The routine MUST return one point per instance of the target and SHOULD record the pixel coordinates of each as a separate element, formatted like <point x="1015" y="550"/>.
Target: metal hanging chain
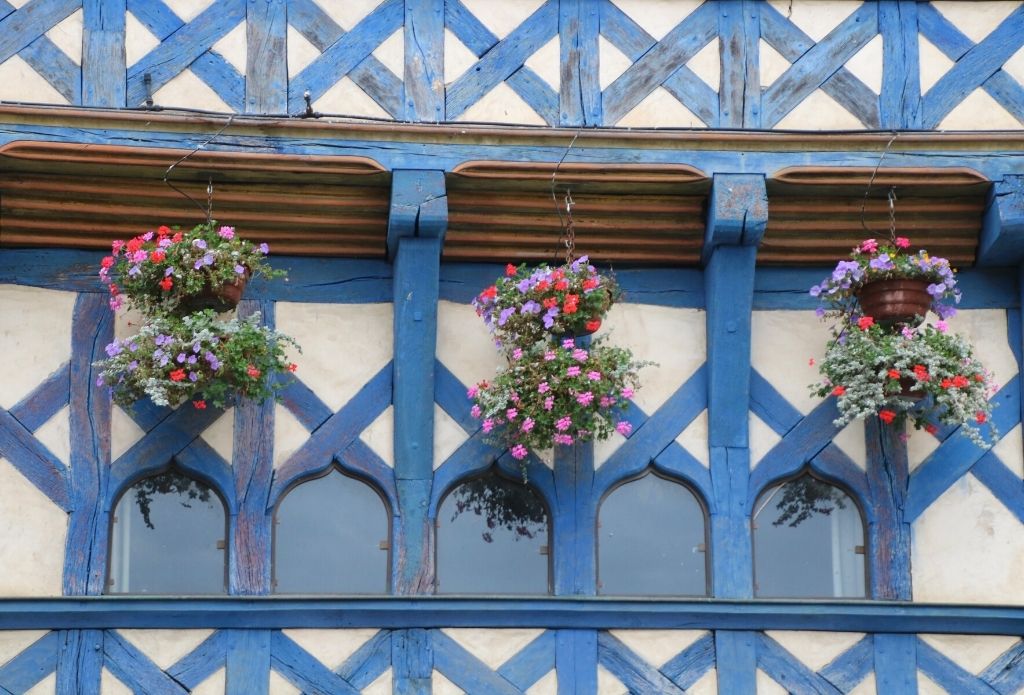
<point x="565" y="230"/>
<point x="208" y="210"/>
<point x="569" y="234"/>
<point x="209" y="200"/>
<point x="892" y="214"/>
<point x="871" y="181"/>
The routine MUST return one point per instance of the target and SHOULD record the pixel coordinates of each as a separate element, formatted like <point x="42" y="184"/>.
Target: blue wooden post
<point x="739" y="28"/>
<point x="266" y="70"/>
<point x="737" y="215"/>
<point x="253" y="468"/>
<point x="424" y="60"/>
<point x="249" y="571"/>
<point x="80" y="657"/>
<point x="416" y="225"/>
<point x="900" y="101"/>
<point x="575" y="563"/>
<point x="103" y="56"/>
<point x="579" y="89"/>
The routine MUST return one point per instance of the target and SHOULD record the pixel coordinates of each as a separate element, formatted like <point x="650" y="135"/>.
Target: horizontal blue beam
<point x="104" y="612"/>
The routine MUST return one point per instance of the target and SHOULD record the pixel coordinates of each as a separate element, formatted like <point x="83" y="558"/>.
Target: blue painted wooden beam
<point x="954" y="44"/>
<point x="578" y="612"/>
<point x="103" y="53"/>
<point x="900" y="100"/>
<point x="416" y="228"/>
<point x="629" y="37"/>
<point x="372" y="76"/>
<point x="33" y="664"/>
<point x="85" y="562"/>
<point x="737" y="215"/>
<point x="580" y="89"/>
<point x="79" y="661"/>
<point x="252" y="462"/>
<point x="792" y="43"/>
<point x="973" y="69"/>
<point x="412" y="661"/>
<point x="739" y="30"/>
<point x="266" y="72"/>
<point x="248" y="662"/>
<point x="1002" y="230"/>
<point x="659" y="63"/>
<point x="479" y="39"/>
<point x="419" y="207"/>
<point x="500" y="62"/>
<point x="889" y="534"/>
<point x="52" y="63"/>
<point x="576" y="661"/>
<point x="424" y="60"/>
<point x="179" y="50"/>
<point x="35" y="18"/>
<point x="896" y="663"/>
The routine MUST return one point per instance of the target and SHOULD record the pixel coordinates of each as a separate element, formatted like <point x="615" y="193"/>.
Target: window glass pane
<point x="650" y="540"/>
<point x="165" y="537"/>
<point x="327" y="538"/>
<point x="490" y="537"/>
<point x="806" y="536"/>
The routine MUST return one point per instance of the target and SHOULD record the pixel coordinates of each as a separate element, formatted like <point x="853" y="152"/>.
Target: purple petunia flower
<point x="264" y="249"/>
<point x="240" y="269"/>
<point x="505" y="314"/>
<point x="199" y="243"/>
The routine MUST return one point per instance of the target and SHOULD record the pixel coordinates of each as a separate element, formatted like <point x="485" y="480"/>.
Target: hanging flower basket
<point x="926" y="375"/>
<point x="531" y="303"/>
<point x="174" y="272"/>
<point x="557" y="393"/>
<point x="555" y="390"/>
<point x="890" y="285"/>
<point x="882" y="362"/>
<point x="197" y="358"/>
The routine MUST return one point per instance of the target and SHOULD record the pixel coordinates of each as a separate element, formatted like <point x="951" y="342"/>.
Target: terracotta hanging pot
<point x="220" y="298"/>
<point x="895" y="302"/>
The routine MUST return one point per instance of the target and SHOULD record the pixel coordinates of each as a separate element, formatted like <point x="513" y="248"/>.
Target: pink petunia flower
<point x="623" y="427"/>
<point x="518" y="452"/>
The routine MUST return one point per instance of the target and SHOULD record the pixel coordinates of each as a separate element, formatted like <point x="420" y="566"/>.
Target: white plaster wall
<point x="32" y="534"/>
<point x="35" y="337"/>
<point x="783" y="343"/>
<point x="493" y="648"/>
<point x="343" y="345"/>
<point x="968" y="548"/>
<point x="815" y="649"/>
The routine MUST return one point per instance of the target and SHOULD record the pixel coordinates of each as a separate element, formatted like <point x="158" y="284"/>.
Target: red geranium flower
<point x="166" y="284"/>
<point x="886" y="416"/>
<point x="980" y="417"/>
<point x="199" y="405"/>
<point x="592" y="325"/>
<point x="177" y="375"/>
<point x="252" y="371"/>
<point x="839" y="391"/>
<point x="931" y="428"/>
<point x="590" y="283"/>
<point x="177" y="237"/>
<point x="865" y="322"/>
<point x="157" y="256"/>
<point x="510" y="269"/>
<point x="894" y="374"/>
<point x="960" y="381"/>
<point x="550" y="302"/>
<point x="107" y="261"/>
<point x="292" y="367"/>
<point x="561" y="285"/>
<point x="163" y="230"/>
<point x="490" y="293"/>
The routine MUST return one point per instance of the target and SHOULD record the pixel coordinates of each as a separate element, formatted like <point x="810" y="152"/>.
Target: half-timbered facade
<point x="396" y="154"/>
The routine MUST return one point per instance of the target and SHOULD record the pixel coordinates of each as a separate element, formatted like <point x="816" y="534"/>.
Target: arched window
<point x="651" y="540"/>
<point x="808" y="542"/>
<point x="492" y="538"/>
<point x="168" y="537"/>
<point x="331" y="537"/>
